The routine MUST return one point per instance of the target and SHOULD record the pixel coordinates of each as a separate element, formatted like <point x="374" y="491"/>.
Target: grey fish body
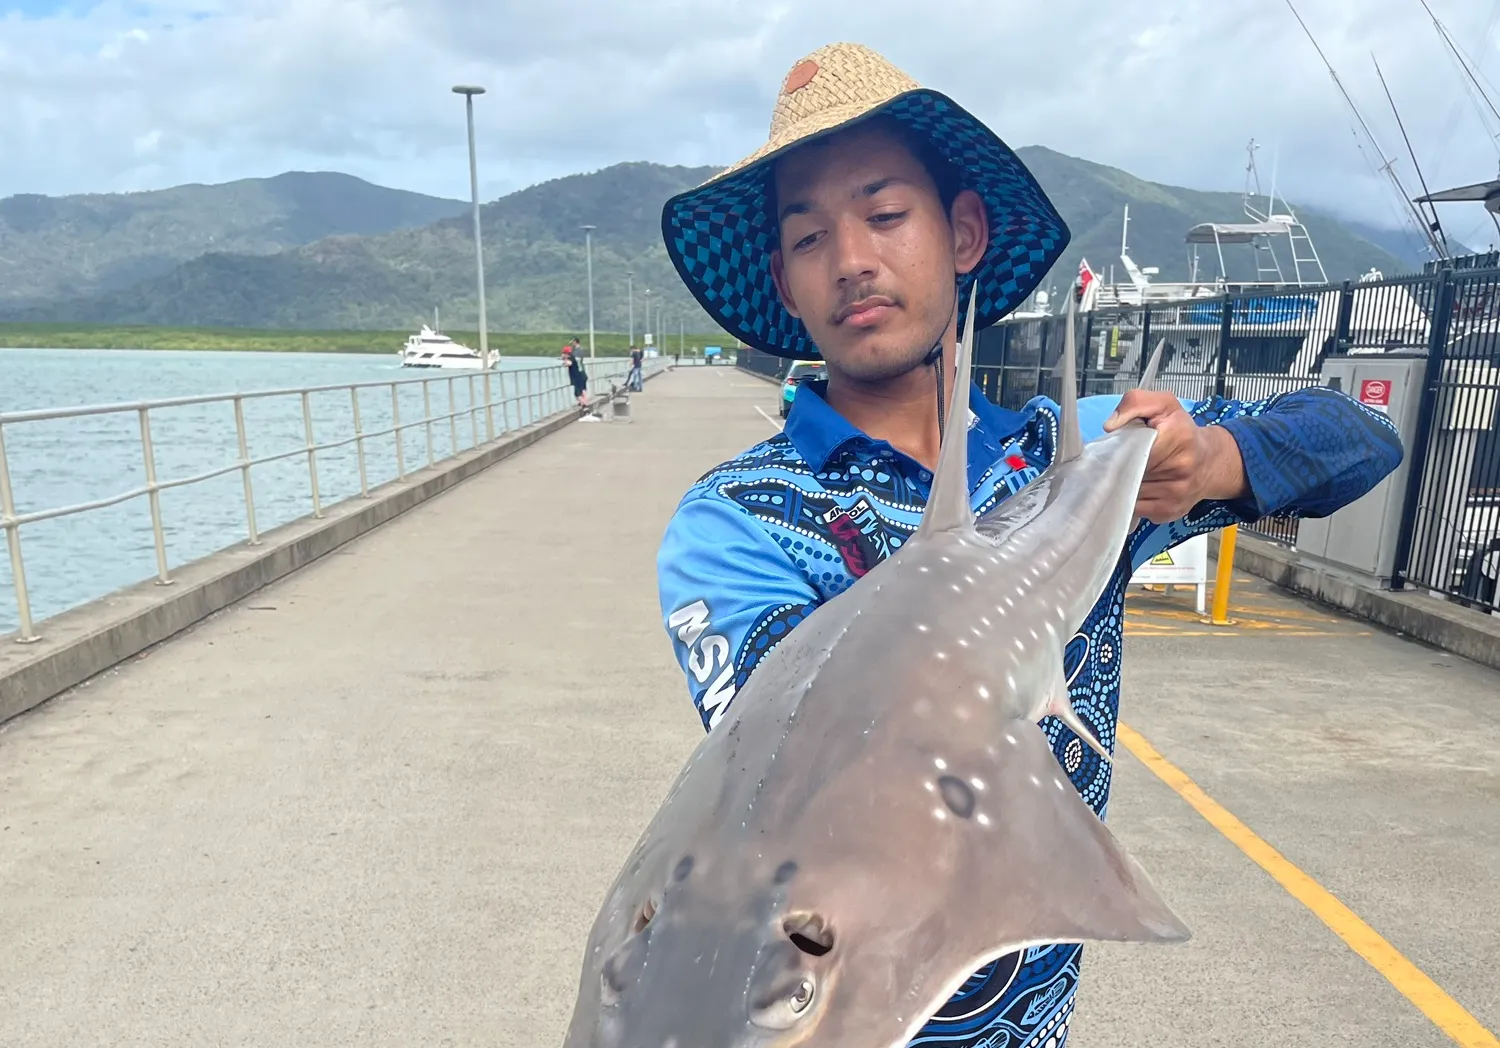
<point x="879" y="815"/>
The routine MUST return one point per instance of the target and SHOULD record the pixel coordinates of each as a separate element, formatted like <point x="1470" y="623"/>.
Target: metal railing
<point x="535" y="395"/>
<point x="761" y="363"/>
<point x="1257" y="345"/>
<point x="1450" y="528"/>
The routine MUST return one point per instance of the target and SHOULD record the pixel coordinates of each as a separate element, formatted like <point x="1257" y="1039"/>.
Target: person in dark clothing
<point x="635" y="381"/>
<point x="577" y="375"/>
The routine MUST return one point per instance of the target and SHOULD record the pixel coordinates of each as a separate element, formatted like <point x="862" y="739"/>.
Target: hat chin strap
<point x="934" y="357"/>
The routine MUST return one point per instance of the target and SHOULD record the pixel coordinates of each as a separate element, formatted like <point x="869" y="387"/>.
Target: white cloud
<point x="137" y="93"/>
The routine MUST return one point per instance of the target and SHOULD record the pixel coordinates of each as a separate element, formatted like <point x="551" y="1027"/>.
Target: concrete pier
<point x="377" y="802"/>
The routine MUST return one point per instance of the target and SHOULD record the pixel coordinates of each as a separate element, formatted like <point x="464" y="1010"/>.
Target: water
<point x="55" y="463"/>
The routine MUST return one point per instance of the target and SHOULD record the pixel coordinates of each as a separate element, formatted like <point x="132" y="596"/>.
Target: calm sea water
<point x="56" y="463"/>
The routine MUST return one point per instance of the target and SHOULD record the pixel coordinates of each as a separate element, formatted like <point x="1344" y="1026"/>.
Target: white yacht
<point x="431" y="349"/>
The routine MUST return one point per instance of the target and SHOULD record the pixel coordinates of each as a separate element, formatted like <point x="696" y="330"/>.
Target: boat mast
<point x="1440" y="238"/>
<point x="1387" y="166"/>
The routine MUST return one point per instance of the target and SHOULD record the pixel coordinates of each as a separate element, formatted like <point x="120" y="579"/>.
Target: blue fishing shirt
<point x="762" y="540"/>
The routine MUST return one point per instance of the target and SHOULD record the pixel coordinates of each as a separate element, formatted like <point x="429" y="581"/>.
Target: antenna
<point x="1436" y="225"/>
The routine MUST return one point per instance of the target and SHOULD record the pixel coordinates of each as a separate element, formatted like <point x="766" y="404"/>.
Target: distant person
<point x="577" y="374"/>
<point x="635" y="381"/>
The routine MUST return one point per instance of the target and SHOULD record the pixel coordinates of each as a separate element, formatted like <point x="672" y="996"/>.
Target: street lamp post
<point x="469" y="91"/>
<point x="647" y="316"/>
<point x="484" y="334"/>
<point x="588" y="236"/>
<point x="630" y="297"/>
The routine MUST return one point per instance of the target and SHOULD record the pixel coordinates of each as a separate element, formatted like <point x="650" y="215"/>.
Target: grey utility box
<point x="1361" y="537"/>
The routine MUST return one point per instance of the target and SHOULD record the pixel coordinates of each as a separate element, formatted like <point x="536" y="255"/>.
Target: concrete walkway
<point x="378" y="802"/>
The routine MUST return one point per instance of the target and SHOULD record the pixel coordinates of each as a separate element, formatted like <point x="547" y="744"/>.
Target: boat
<point x="430" y="348"/>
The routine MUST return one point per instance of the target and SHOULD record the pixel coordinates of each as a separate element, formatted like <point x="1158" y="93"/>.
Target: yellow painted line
<point x="1262" y="620"/>
<point x="1132" y="629"/>
<point x="1414" y="984"/>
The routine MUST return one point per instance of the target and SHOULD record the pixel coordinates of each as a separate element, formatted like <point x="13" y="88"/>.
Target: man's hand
<point x="1189" y="462"/>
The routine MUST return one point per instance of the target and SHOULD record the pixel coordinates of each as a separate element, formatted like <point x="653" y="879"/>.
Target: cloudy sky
<point x="141" y="94"/>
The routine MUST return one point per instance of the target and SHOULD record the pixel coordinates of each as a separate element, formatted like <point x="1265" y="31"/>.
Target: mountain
<point x="52" y="247"/>
<point x="535" y="269"/>
<point x="1092" y="198"/>
<point x="536" y="262"/>
<point x="1406" y="243"/>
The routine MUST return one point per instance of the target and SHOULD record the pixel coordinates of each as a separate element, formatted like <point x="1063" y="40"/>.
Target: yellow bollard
<point x="1224" y="576"/>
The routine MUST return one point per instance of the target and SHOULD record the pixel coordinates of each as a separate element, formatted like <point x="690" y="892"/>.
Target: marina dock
<point x="377" y="802"/>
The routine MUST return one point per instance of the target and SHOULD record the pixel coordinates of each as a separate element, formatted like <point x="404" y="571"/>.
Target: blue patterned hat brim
<point x="720" y="236"/>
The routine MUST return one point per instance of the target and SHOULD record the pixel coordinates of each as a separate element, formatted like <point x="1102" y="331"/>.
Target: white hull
<point x="428" y="349"/>
<point x="448" y="362"/>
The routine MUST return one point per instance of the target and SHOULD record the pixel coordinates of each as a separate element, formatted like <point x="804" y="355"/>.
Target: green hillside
<point x="536" y="265"/>
<point x="1092" y="198"/>
<point x="53" y="248"/>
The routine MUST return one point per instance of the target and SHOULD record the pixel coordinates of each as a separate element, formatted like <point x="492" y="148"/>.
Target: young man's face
<point x="868" y="256"/>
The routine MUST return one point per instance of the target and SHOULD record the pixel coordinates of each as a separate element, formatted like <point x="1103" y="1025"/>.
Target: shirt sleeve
<point x="1307" y="453"/>
<point x="728" y="593"/>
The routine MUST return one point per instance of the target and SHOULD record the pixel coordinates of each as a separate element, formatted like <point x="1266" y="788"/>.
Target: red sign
<point x="1375" y="392"/>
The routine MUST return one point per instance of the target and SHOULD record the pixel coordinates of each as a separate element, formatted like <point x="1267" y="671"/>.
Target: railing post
<point x="244" y="446"/>
<point x="396" y="432"/>
<point x="13" y="541"/>
<point x="1085" y="351"/>
<point x="1221" y="371"/>
<point x="453" y="413"/>
<point x="427" y="416"/>
<point x="359" y="443"/>
<point x="1145" y="354"/>
<point x="1432" y="377"/>
<point x="473" y="404"/>
<point x="312" y="462"/>
<point x="1341" y="340"/>
<point x="489" y="410"/>
<point x="154" y="496"/>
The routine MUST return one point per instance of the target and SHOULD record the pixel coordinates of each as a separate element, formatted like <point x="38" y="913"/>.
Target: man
<point x="851" y="233"/>
<point x="635" y="380"/>
<point x="577" y="374"/>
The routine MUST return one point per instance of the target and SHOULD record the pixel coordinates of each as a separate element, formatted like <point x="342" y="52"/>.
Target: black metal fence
<point x="1250" y="347"/>
<point x="761" y="363"/>
<point x="1450" y="530"/>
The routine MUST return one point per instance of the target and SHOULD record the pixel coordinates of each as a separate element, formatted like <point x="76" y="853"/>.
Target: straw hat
<point x="720" y="236"/>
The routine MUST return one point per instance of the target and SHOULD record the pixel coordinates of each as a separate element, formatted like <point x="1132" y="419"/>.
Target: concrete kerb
<point x="1448" y="627"/>
<point x="85" y="641"/>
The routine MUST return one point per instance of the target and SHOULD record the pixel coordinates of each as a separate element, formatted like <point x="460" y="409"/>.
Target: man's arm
<point x="728" y="593"/>
<point x="1219" y="462"/>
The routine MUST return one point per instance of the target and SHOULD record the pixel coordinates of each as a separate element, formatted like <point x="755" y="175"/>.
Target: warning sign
<point x="1185" y="564"/>
<point x="1375" y="393"/>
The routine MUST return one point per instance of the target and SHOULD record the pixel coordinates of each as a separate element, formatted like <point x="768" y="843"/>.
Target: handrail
<point x="44" y="414"/>
<point x="541" y="389"/>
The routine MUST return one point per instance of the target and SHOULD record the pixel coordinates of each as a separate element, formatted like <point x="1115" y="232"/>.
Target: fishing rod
<point x="1462" y="60"/>
<point x="1435" y="224"/>
<point x="1388" y="166"/>
<point x="1476" y="92"/>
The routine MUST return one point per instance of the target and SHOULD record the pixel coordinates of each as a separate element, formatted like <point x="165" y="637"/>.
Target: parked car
<point x="799" y="372"/>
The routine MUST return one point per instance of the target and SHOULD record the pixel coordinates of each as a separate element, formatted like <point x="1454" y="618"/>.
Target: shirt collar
<point x="817" y="430"/>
